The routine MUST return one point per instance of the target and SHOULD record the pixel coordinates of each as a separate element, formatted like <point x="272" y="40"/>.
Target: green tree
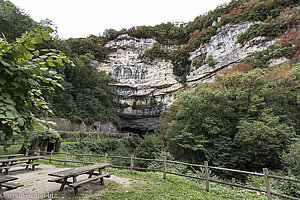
<point x="243" y="120"/>
<point x="88" y="96"/>
<point x="13" y="21"/>
<point x="291" y="159"/>
<point x="263" y="142"/>
<point x="24" y="73"/>
<point x="150" y="147"/>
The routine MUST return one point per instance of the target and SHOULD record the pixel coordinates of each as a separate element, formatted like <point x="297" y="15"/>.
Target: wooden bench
<point x="6" y="184"/>
<point x="11" y="186"/>
<point x="23" y="162"/>
<point x="62" y="177"/>
<point x="79" y="183"/>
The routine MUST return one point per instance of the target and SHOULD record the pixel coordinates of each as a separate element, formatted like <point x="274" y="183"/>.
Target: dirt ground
<point x="36" y="185"/>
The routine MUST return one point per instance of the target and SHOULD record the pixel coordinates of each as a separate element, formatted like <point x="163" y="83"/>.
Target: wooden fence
<point x="206" y="167"/>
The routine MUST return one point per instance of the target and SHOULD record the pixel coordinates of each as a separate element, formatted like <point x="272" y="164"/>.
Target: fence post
<point x="105" y="158"/>
<point x="51" y="154"/>
<point x="267" y="181"/>
<point x="26" y="153"/>
<point x="165" y="168"/>
<point x="66" y="158"/>
<point x="38" y="153"/>
<point x="206" y="176"/>
<point x="84" y="158"/>
<point x="131" y="164"/>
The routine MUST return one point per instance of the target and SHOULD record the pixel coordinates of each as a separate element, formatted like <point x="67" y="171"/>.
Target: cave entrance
<point x="133" y="130"/>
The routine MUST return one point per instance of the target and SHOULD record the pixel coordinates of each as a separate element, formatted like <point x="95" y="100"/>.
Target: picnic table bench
<point x="23" y="161"/>
<point x="5" y="181"/>
<point x="62" y="176"/>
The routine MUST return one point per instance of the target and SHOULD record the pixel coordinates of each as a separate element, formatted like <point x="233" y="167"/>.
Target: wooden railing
<point x="206" y="167"/>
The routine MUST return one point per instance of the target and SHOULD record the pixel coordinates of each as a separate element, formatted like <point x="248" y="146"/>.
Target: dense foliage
<point x="24" y="73"/>
<point x="13" y="21"/>
<point x="88" y="95"/>
<point x="91" y="44"/>
<point x="243" y="121"/>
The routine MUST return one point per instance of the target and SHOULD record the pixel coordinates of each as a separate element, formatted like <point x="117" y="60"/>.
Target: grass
<point x="151" y="186"/>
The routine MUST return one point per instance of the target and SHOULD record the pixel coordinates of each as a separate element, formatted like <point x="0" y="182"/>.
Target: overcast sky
<point x="80" y="18"/>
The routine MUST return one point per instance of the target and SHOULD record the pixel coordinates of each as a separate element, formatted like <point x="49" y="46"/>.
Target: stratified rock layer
<point x="148" y="87"/>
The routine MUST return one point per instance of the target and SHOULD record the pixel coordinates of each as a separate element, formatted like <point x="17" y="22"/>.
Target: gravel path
<point x="36" y="185"/>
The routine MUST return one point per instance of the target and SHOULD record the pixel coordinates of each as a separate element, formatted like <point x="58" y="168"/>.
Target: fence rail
<point x="206" y="167"/>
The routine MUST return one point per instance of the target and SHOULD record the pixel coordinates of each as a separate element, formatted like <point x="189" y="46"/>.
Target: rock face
<point x="148" y="87"/>
<point x="225" y="51"/>
<point x="66" y="125"/>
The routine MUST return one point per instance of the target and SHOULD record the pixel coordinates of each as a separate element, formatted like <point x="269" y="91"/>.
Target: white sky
<point x="77" y="18"/>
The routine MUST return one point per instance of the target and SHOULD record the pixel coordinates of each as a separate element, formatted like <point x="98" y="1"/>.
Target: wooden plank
<point x="7" y="178"/>
<point x="57" y="179"/>
<point x="165" y="168"/>
<point x="77" y="184"/>
<point x="284" y="178"/>
<point x="11" y="185"/>
<point x="79" y="170"/>
<point x="66" y="158"/>
<point x="148" y="159"/>
<point x="206" y="176"/>
<point x="267" y="182"/>
<point x="284" y="196"/>
<point x="184" y="175"/>
<point x="183" y="163"/>
<point x="131" y="164"/>
<point x="21" y="159"/>
<point x="238" y="171"/>
<point x="236" y="185"/>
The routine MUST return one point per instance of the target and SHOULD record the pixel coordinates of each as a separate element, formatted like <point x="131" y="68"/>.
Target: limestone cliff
<point x="148" y="87"/>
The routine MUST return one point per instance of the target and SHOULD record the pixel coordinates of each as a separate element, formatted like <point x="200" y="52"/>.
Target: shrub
<point x="291" y="159"/>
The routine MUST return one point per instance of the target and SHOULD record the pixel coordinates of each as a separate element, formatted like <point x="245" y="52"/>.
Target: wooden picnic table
<point x="11" y="156"/>
<point x="62" y="176"/>
<point x="5" y="181"/>
<point x="23" y="161"/>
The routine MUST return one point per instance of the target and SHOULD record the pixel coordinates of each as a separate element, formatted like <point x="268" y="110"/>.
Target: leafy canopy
<point x="242" y="121"/>
<point x="25" y="71"/>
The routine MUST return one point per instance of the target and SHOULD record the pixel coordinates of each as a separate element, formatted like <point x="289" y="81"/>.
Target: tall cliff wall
<point x="148" y="87"/>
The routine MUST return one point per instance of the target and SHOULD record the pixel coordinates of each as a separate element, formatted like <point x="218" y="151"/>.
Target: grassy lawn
<point x="151" y="186"/>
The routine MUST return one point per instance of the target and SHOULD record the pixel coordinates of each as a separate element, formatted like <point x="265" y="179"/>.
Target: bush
<point x="150" y="147"/>
<point x="291" y="159"/>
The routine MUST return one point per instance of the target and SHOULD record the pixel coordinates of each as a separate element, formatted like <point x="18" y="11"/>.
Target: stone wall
<point x="66" y="125"/>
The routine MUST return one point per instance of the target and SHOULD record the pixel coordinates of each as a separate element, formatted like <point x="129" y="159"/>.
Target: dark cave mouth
<point x="135" y="131"/>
